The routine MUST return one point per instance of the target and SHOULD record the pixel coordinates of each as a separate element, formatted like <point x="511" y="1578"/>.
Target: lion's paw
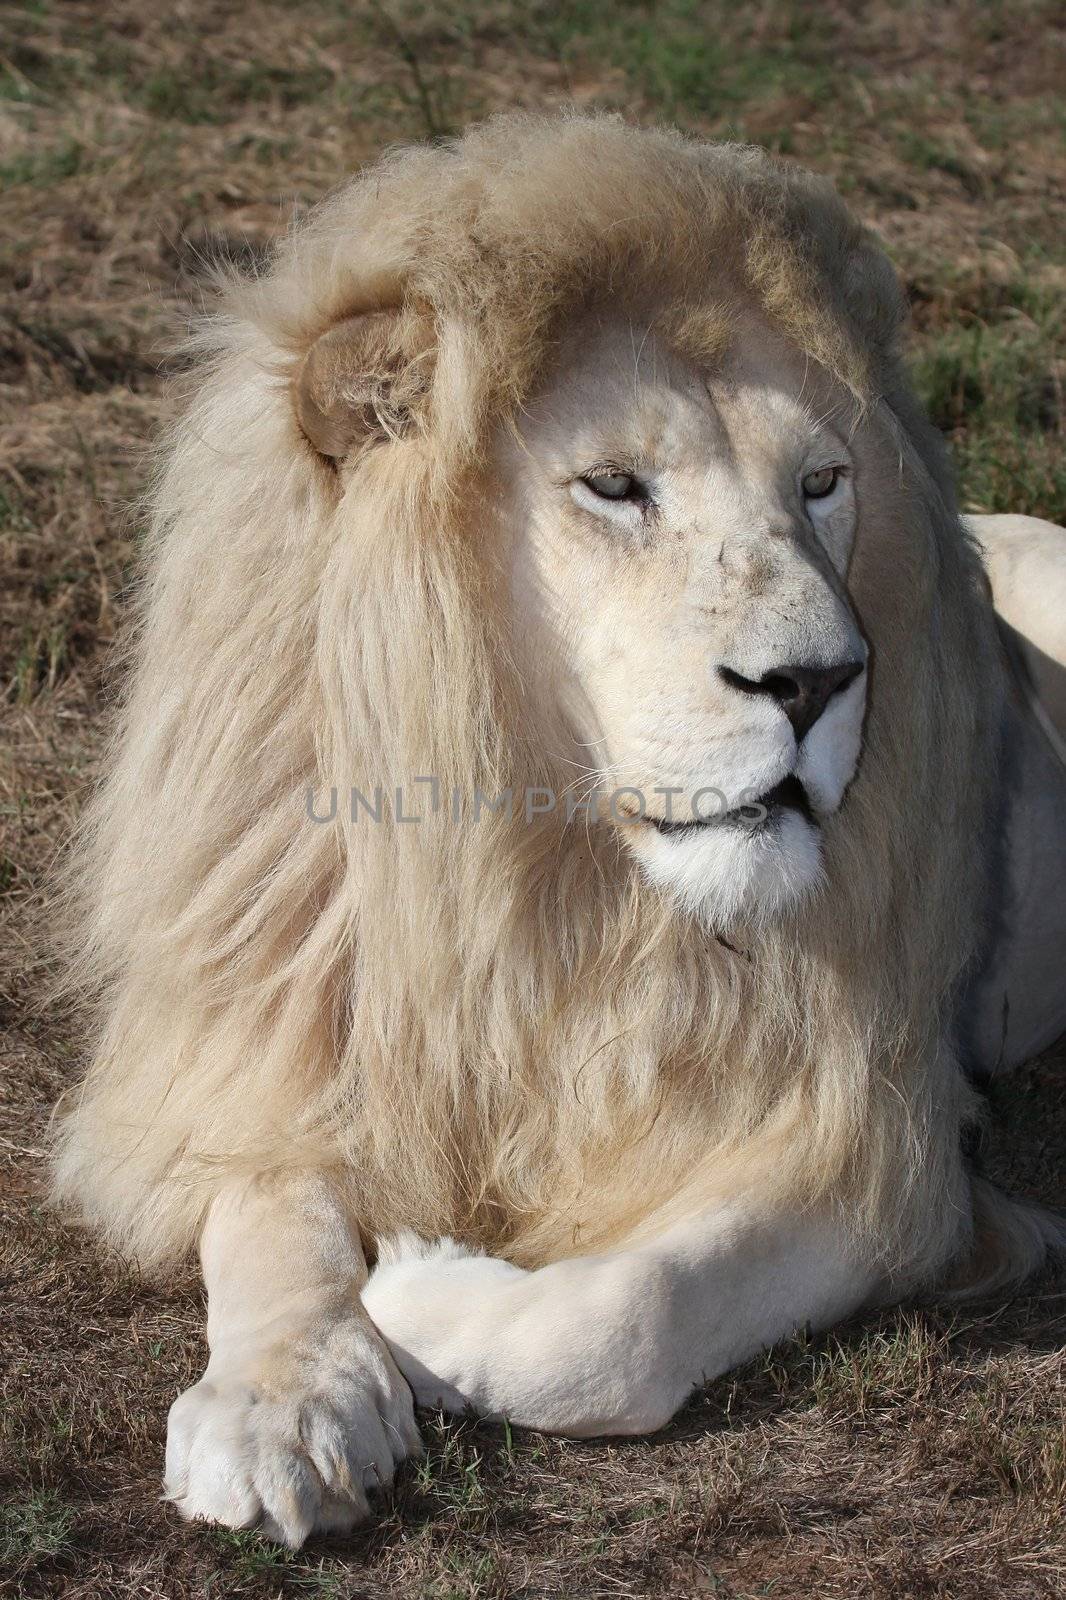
<point x="291" y="1439"/>
<point x="433" y="1301"/>
<point x="428" y="1279"/>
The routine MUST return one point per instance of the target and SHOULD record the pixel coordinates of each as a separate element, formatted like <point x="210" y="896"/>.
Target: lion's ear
<point x="361" y="380"/>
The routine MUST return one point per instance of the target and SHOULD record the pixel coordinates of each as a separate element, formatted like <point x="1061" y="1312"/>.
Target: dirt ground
<point x="916" y="1453"/>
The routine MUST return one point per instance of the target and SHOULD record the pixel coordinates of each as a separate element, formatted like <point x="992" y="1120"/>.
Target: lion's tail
<point x="1012" y="1240"/>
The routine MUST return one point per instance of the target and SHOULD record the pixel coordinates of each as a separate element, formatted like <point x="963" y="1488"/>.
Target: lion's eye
<point x="612" y="485"/>
<point x="817" y="485"/>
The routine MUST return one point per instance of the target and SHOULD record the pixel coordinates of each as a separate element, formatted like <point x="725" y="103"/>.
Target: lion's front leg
<point x="301" y="1409"/>
<point x="612" y="1343"/>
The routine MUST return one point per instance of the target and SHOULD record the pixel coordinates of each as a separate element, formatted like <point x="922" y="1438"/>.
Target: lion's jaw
<point x="661" y="630"/>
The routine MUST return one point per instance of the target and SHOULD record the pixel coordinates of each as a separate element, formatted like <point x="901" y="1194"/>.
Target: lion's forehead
<point x="622" y="392"/>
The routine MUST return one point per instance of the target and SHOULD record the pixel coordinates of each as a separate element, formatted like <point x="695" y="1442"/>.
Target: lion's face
<point x="679" y="542"/>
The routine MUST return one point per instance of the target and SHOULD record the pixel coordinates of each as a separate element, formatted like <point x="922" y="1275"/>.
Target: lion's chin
<point x="729" y="874"/>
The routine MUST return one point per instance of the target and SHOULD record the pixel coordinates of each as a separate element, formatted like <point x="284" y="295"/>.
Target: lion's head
<point x="675" y="530"/>
<point x="567" y="459"/>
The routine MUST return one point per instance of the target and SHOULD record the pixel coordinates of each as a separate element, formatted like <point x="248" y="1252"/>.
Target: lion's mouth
<point x="754" y="815"/>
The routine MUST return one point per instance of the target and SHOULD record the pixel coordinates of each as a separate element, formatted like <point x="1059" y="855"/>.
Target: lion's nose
<point x="802" y="692"/>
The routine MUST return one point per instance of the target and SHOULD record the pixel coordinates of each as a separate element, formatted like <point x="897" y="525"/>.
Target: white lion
<point x="576" y="465"/>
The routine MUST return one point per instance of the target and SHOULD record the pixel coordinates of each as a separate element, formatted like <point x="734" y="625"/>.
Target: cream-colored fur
<point x="686" y="1088"/>
<point x="301" y="1409"/>
<point x="1018" y="1004"/>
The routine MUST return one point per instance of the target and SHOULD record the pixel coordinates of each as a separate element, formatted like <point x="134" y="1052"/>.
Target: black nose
<point x="802" y="692"/>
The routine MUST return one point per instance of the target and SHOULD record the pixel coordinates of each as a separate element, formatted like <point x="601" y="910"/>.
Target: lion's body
<point x="503" y="1031"/>
<point x="1018" y="1005"/>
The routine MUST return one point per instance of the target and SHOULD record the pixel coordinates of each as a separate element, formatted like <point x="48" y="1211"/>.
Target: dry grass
<point x="914" y="1454"/>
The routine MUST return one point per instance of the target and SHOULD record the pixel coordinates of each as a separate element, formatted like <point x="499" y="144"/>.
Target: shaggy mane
<point x="496" y="1030"/>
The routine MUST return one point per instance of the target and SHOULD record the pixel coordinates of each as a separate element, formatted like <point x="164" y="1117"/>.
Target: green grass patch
<point x="997" y="393"/>
<point x="14" y="517"/>
<point x="932" y="155"/>
<point x="43" y="167"/>
<point x="677" y="55"/>
<point x="689" y="60"/>
<point x="40" y="662"/>
<point x="211" y="91"/>
<point x="249" y="1563"/>
<point x="34" y="1529"/>
<point x="28" y="73"/>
